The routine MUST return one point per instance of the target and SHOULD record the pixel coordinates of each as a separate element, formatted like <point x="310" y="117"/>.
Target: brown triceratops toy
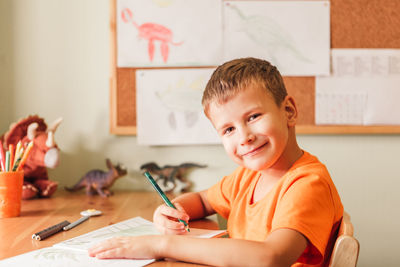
<point x="44" y="154"/>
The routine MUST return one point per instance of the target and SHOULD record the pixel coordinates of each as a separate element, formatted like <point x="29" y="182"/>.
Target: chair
<point x="346" y="248"/>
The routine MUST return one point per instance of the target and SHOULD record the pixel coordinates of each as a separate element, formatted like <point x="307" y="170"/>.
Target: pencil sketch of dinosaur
<point x="267" y="33"/>
<point x="183" y="97"/>
<point x="152" y="32"/>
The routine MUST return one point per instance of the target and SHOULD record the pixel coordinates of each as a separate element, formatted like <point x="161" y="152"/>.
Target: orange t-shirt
<point x="304" y="199"/>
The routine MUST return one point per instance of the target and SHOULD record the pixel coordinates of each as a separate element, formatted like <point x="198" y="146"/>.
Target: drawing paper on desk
<point x="58" y="257"/>
<point x="73" y="252"/>
<point x="292" y="35"/>
<point x="132" y="227"/>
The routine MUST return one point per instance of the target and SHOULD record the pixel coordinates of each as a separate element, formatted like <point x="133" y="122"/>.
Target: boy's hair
<point x="236" y="75"/>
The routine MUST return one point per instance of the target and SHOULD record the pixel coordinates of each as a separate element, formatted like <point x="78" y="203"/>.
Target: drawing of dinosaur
<point x="171" y="177"/>
<point x="267" y="33"/>
<point x="98" y="181"/>
<point x="152" y="32"/>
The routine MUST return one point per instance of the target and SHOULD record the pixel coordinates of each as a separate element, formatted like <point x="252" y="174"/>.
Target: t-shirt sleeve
<point x="307" y="207"/>
<point x="221" y="194"/>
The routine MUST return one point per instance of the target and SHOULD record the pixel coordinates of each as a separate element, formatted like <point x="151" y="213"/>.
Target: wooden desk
<point x="38" y="214"/>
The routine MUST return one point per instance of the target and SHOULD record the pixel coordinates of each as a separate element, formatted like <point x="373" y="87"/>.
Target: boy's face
<point x="253" y="128"/>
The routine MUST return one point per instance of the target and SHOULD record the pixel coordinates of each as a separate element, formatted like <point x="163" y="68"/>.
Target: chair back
<point x="346" y="249"/>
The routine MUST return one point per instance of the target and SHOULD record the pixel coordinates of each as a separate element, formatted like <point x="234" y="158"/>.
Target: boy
<point x="281" y="204"/>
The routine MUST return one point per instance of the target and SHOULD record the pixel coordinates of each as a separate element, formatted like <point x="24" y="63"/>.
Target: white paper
<point x="359" y="101"/>
<point x="339" y="101"/>
<point x="169" y="110"/>
<point x="58" y="257"/>
<point x="292" y="35"/>
<point x="132" y="227"/>
<point x="168" y="33"/>
<point x="365" y="62"/>
<point x="383" y="101"/>
<point x="73" y="252"/>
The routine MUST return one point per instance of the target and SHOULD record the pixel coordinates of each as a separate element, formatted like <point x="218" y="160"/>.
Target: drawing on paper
<point x="152" y="32"/>
<point x="56" y="254"/>
<point x="183" y="97"/>
<point x="268" y="34"/>
<point x="175" y="114"/>
<point x="168" y="33"/>
<point x="133" y="227"/>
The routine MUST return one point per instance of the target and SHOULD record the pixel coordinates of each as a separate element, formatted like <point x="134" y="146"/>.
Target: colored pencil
<point x="12" y="156"/>
<point x="25" y="156"/>
<point x="7" y="161"/>
<point x="163" y="196"/>
<point x="2" y="157"/>
<point x="18" y="157"/>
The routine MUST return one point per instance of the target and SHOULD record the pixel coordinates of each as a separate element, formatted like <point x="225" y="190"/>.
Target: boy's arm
<point x="282" y="248"/>
<point x="195" y="204"/>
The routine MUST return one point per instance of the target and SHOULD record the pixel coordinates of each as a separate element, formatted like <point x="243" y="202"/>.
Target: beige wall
<point x="54" y="61"/>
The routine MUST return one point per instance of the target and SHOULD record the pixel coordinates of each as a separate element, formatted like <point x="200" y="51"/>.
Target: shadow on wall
<point x="73" y="166"/>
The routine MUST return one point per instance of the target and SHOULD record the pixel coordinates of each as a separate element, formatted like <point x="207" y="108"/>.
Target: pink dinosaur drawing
<point x="151" y="32"/>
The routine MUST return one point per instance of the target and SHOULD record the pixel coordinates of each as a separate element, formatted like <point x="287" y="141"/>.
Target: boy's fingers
<point x="180" y="208"/>
<point x="174" y="213"/>
<point x="168" y="231"/>
<point x="173" y="225"/>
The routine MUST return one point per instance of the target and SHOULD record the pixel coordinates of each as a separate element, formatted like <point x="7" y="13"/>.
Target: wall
<point x="54" y="61"/>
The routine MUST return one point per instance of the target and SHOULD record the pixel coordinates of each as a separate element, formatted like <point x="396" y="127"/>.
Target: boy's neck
<point x="289" y="156"/>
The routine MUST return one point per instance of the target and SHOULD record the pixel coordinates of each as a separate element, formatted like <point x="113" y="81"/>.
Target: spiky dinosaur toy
<point x="171" y="177"/>
<point x="44" y="154"/>
<point x="98" y="181"/>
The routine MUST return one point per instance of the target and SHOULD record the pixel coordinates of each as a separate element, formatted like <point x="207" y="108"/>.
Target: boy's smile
<point x="253" y="128"/>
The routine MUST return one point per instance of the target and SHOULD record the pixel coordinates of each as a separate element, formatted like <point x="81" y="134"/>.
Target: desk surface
<point x="38" y="214"/>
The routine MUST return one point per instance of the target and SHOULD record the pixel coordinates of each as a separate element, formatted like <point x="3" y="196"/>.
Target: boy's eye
<point x="254" y="116"/>
<point x="228" y="130"/>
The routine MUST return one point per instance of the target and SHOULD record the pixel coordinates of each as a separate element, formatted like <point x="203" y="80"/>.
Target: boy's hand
<point x="133" y="247"/>
<point x="166" y="219"/>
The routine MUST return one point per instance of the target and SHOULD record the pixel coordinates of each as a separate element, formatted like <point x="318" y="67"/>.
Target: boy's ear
<point x="290" y="110"/>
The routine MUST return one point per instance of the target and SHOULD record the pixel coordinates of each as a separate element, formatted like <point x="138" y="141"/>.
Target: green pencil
<point x="163" y="196"/>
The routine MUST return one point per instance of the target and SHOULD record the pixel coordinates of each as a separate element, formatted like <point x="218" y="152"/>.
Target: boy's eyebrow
<point x="224" y="126"/>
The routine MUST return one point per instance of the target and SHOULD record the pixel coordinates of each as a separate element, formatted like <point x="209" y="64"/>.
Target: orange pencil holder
<point x="10" y="193"/>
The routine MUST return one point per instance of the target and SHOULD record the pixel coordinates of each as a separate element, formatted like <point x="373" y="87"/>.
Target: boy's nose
<point x="247" y="137"/>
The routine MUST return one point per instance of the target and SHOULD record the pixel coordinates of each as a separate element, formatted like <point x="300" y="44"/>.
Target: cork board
<point x="354" y="24"/>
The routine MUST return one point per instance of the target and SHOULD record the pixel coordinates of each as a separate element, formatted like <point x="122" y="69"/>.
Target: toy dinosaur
<point x="171" y="177"/>
<point x="98" y="181"/>
<point x="44" y="154"/>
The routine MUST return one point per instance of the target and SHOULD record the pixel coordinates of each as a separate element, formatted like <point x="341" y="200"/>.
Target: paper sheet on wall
<point x="168" y="33"/>
<point x="357" y="101"/>
<point x="169" y="110"/>
<point x="339" y="101"/>
<point x="362" y="90"/>
<point x="292" y="35"/>
<point x="365" y="62"/>
<point x="73" y="252"/>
